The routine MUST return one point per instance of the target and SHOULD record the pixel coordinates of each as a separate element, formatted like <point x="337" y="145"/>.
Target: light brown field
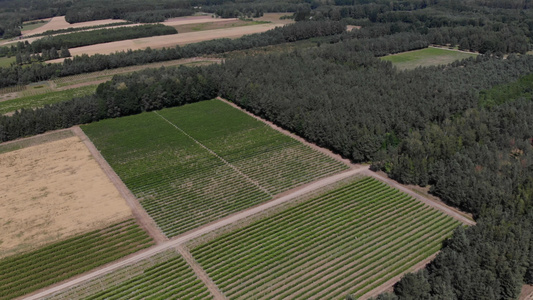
<point x="59" y="23"/>
<point x="51" y="191"/>
<point x="194" y="20"/>
<point x="169" y="40"/>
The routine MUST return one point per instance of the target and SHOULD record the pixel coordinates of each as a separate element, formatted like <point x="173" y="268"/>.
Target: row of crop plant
<point x="181" y="184"/>
<point x="25" y="273"/>
<point x="346" y="241"/>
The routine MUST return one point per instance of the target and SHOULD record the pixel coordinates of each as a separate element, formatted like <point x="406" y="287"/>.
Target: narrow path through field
<point x="200" y="273"/>
<point x="138" y="212"/>
<point x="197" y="233"/>
<point x="217" y="156"/>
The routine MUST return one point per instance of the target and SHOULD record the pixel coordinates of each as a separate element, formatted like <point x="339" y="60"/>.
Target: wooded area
<point x="464" y="129"/>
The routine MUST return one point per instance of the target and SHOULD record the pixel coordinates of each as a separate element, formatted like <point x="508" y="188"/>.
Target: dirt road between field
<point x="146" y="222"/>
<point x="180" y="240"/>
<point x="201" y="274"/>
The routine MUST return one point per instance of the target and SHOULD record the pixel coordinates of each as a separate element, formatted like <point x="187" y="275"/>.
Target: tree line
<point x="15" y="75"/>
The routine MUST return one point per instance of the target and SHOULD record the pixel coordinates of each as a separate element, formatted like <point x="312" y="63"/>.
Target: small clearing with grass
<point x="40" y="100"/>
<point x="52" y="188"/>
<point x="349" y="240"/>
<point x="197" y="163"/>
<point x="426" y="57"/>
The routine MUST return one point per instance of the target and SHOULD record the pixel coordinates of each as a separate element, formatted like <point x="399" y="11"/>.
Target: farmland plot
<point x="194" y="164"/>
<point x="24" y="273"/>
<point x="163" y="276"/>
<point x="346" y="241"/>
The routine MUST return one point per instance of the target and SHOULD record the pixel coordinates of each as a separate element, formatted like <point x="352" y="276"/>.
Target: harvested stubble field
<point x="51" y="188"/>
<point x="426" y="57"/>
<point x="24" y="273"/>
<point x="183" y="184"/>
<point x="349" y="240"/>
<point x="163" y="276"/>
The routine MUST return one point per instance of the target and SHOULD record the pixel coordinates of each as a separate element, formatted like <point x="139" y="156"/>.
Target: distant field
<point x="182" y="185"/>
<point x="25" y="273"/>
<point x="426" y="57"/>
<point x="215" y="25"/>
<point x="347" y="241"/>
<point x="108" y="74"/>
<point x="33" y="25"/>
<point x="163" y="276"/>
<point x="40" y="100"/>
<point x="171" y="40"/>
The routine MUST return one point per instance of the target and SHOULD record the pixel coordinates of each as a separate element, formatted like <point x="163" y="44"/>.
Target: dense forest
<point x="464" y="129"/>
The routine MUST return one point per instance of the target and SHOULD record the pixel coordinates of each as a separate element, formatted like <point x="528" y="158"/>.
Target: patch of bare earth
<point x="51" y="191"/>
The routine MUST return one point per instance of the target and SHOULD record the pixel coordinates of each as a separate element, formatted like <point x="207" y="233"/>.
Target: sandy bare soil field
<point x="194" y="20"/>
<point x="60" y="23"/>
<point x="170" y="40"/>
<point x="51" y="191"/>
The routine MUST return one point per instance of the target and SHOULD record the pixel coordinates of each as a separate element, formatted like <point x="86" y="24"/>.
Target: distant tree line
<point x="73" y="29"/>
<point x="79" y="39"/>
<point x="81" y="64"/>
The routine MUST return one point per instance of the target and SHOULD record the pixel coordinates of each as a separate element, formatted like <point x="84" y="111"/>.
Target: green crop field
<point x="24" y="273"/>
<point x="346" y="241"/>
<point x="7" y="61"/>
<point x="165" y="275"/>
<point x="170" y="279"/>
<point x="183" y="185"/>
<point x="41" y="100"/>
<point x="426" y="57"/>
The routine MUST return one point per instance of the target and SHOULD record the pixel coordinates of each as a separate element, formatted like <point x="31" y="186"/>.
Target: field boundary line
<point x="200" y="273"/>
<point x="195" y="233"/>
<point x="294" y="136"/>
<point x="138" y="212"/>
<point x="437" y="205"/>
<point x="216" y="155"/>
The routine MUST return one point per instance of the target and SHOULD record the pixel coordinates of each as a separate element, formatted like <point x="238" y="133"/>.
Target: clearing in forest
<point x="165" y="275"/>
<point x="197" y="163"/>
<point x="52" y="188"/>
<point x="40" y="100"/>
<point x="426" y="57"/>
<point x="348" y="240"/>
